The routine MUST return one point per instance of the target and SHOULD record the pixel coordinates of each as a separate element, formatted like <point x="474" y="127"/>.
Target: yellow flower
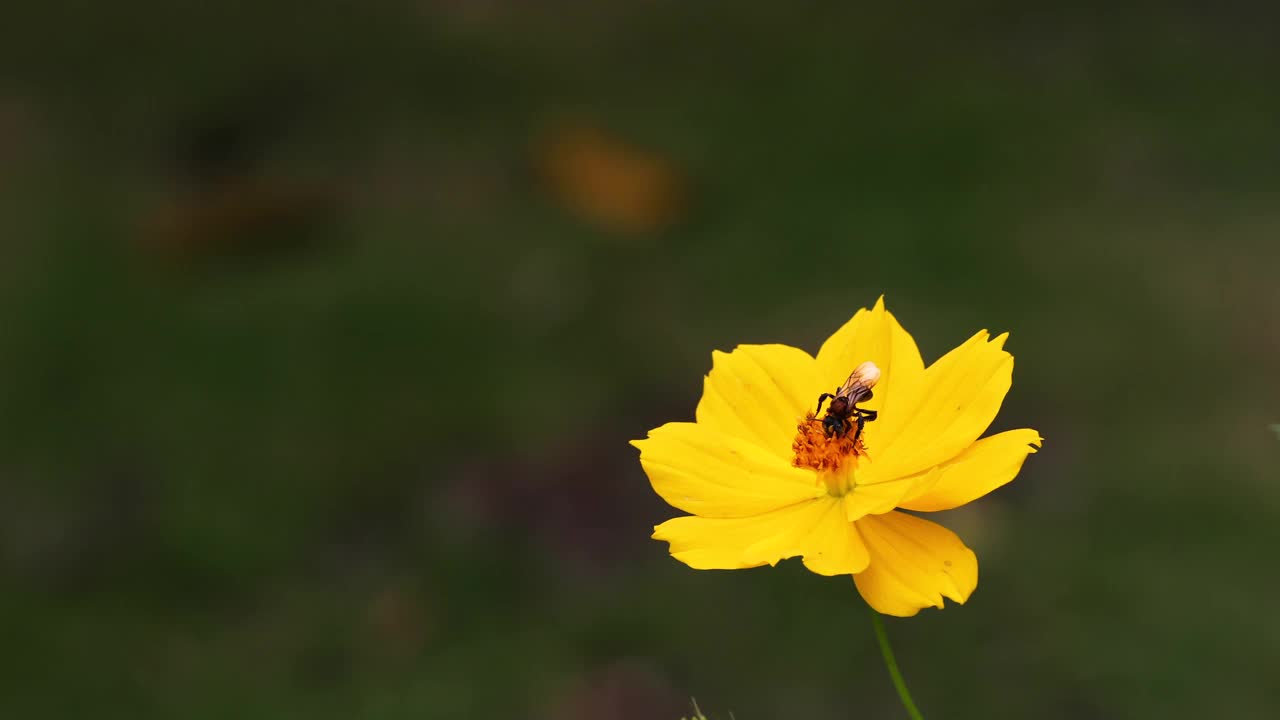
<point x="765" y="480"/>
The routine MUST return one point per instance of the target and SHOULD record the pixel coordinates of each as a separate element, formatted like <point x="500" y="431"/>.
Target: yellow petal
<point x="759" y="392"/>
<point x="914" y="564"/>
<point x="710" y="473"/>
<point x="835" y="547"/>
<point x="873" y="335"/>
<point x="951" y="406"/>
<point x="985" y="466"/>
<point x="881" y="497"/>
<point x="815" y="530"/>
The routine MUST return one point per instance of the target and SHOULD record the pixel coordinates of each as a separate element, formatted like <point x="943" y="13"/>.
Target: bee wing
<point x="855" y="388"/>
<point x="850" y="384"/>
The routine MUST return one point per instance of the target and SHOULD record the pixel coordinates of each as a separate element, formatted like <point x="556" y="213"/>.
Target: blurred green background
<point x="323" y="328"/>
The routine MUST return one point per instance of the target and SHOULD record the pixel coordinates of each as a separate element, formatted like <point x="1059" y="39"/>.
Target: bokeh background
<point x="323" y="329"/>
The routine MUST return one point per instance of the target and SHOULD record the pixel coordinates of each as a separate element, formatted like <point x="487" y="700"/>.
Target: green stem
<point x="892" y="665"/>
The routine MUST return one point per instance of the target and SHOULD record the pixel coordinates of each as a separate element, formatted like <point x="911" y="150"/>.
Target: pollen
<point x="814" y="449"/>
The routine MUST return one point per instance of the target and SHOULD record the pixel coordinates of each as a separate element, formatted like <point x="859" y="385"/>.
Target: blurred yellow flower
<point x="765" y="479"/>
<point x="616" y="185"/>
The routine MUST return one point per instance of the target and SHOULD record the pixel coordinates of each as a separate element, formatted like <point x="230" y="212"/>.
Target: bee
<point x="843" y="414"/>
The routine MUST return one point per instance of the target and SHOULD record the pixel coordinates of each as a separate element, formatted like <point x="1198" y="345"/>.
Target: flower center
<point x="827" y="453"/>
<point x="831" y="446"/>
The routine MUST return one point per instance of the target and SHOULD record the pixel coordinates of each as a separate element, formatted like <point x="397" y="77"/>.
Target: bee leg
<point x="858" y="433"/>
<point x="821" y="399"/>
<point x="869" y="415"/>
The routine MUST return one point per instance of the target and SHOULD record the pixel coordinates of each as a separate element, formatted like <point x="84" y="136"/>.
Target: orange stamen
<point x="814" y="449"/>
